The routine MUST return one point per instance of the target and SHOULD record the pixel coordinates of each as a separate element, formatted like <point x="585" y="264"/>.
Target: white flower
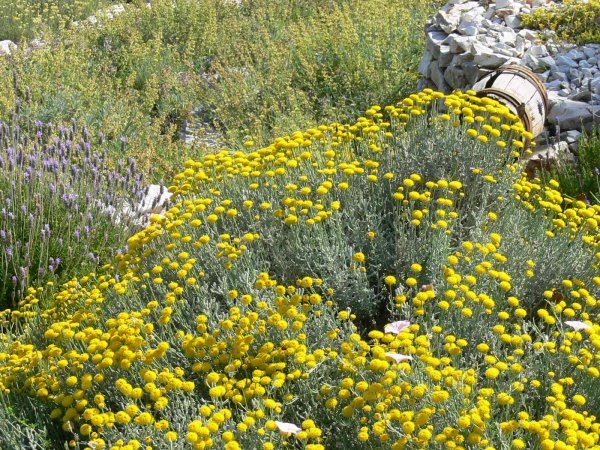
<point x="398" y="357"/>
<point x="286" y="427"/>
<point x="397" y="327"/>
<point x="577" y="325"/>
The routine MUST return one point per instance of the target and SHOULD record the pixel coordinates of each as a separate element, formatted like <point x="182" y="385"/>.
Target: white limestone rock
<point x="538" y="50"/>
<point x="459" y="43"/>
<point x="513" y="21"/>
<point x="486" y="57"/>
<point x="503" y="4"/>
<point x="434" y="40"/>
<point x="528" y="34"/>
<point x="468" y="29"/>
<point x="455" y="77"/>
<point x="154" y="200"/>
<point x="7" y="47"/>
<point x="425" y="63"/>
<point x="437" y="76"/>
<point x="474" y="73"/>
<point x="564" y="60"/>
<point x="572" y="115"/>
<point x="448" y="19"/>
<point x="548" y="156"/>
<point x="445" y="57"/>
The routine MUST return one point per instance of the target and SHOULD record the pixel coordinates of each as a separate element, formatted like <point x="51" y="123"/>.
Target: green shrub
<point x="25" y="19"/>
<point x="260" y="68"/>
<point x="265" y="294"/>
<point x="581" y="178"/>
<point x="573" y="20"/>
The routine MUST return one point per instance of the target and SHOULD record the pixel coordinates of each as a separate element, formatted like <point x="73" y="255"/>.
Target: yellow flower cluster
<point x="186" y="341"/>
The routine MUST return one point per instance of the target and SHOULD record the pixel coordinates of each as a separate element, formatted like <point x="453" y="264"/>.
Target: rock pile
<point x="466" y="40"/>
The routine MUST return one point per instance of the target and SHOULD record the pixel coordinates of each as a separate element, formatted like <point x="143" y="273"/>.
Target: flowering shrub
<point x="142" y="73"/>
<point x="60" y="207"/>
<point x="572" y="20"/>
<point x="393" y="283"/>
<point x="21" y="19"/>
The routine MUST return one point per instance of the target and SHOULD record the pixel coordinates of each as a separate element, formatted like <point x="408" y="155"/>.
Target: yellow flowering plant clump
<point x="391" y="283"/>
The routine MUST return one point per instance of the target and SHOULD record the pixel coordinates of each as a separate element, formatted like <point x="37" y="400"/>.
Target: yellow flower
<point x="359" y="257"/>
<point x="390" y="280"/>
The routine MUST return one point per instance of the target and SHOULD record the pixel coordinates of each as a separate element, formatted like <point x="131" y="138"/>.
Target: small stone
<point x="508" y="36"/>
<point x="485" y="57"/>
<point x="448" y="18"/>
<point x="561" y="76"/>
<point x="553" y="85"/>
<point x="505" y="12"/>
<point x="564" y="92"/>
<point x="532" y="62"/>
<point x="474" y="73"/>
<point x="437" y="76"/>
<point x="425" y="62"/>
<point x="587" y="73"/>
<point x="548" y="61"/>
<point x="455" y="77"/>
<point x="589" y="52"/>
<point x="574" y="73"/>
<point x="459" y="43"/>
<point x="547" y="157"/>
<point x="520" y="44"/>
<point x="543" y="76"/>
<point x="445" y="57"/>
<point x="564" y="60"/>
<point x="512" y="21"/>
<point x="468" y="29"/>
<point x="581" y="96"/>
<point x="461" y="58"/>
<point x="571" y="114"/>
<point x="570" y="136"/>
<point x="528" y="34"/>
<point x="576" y="55"/>
<point x="7" y="47"/>
<point x="503" y="4"/>
<point x="485" y="23"/>
<point x="538" y="50"/>
<point x="434" y="40"/>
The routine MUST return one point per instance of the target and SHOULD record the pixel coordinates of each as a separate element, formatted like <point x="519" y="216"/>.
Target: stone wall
<point x="466" y="40"/>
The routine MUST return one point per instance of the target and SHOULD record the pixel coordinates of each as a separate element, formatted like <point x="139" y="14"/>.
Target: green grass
<point x="581" y="179"/>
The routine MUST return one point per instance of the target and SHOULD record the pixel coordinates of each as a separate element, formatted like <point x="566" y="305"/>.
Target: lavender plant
<point x="63" y="211"/>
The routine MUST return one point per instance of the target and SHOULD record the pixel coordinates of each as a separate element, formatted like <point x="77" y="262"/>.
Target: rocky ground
<point x="466" y="40"/>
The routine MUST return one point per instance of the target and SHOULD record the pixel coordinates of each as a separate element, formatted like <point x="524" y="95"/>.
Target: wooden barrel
<point x="521" y="91"/>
